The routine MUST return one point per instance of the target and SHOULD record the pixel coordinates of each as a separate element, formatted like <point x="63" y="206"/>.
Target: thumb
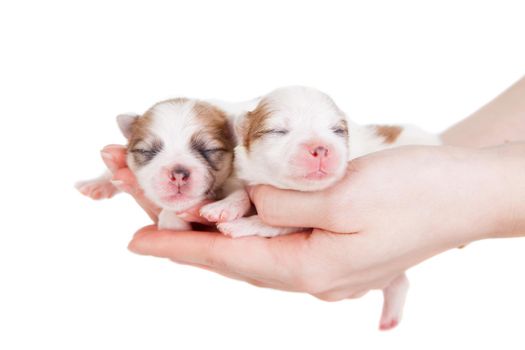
<point x="290" y="208"/>
<point x="114" y="156"/>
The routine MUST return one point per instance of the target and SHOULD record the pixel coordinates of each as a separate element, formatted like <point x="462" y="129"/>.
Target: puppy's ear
<point x="125" y="123"/>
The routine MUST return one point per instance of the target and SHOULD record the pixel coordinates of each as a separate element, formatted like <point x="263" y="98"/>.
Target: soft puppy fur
<point x="297" y="138"/>
<point x="181" y="152"/>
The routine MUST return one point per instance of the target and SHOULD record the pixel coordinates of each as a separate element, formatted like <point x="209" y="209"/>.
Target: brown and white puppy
<point x="181" y="152"/>
<point x="297" y="138"/>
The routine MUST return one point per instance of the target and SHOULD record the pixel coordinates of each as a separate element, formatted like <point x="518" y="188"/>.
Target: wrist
<point x="485" y="193"/>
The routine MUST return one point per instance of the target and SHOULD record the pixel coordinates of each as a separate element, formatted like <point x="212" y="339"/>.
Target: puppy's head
<point x="180" y="151"/>
<point x="296" y="138"/>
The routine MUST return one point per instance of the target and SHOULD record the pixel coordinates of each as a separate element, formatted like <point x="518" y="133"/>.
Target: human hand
<point x="393" y="210"/>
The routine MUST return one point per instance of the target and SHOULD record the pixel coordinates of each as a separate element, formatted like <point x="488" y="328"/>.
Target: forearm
<point x="510" y="181"/>
<point x="501" y="120"/>
<point x="479" y="194"/>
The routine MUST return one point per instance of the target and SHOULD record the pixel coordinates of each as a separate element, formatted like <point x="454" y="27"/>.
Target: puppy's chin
<point x="167" y="198"/>
<point x="312" y="181"/>
<point x="178" y="202"/>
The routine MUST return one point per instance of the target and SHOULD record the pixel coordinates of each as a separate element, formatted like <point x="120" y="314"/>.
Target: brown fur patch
<point x="139" y="129"/>
<point x="215" y="124"/>
<point x="215" y="134"/>
<point x="389" y="133"/>
<point x="254" y="124"/>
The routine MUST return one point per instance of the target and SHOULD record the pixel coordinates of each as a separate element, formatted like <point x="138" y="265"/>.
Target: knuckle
<point x="256" y="194"/>
<point x="310" y="283"/>
<point x="264" y="208"/>
<point x="338" y="210"/>
<point x="333" y="216"/>
<point x="329" y="297"/>
<point x="357" y="295"/>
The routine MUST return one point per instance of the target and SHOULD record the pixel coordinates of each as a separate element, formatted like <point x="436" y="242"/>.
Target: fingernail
<point x="249" y="189"/>
<point x="183" y="215"/>
<point x="117" y="183"/>
<point x="108" y="160"/>
<point x="121" y="185"/>
<point x="109" y="147"/>
<point x="132" y="247"/>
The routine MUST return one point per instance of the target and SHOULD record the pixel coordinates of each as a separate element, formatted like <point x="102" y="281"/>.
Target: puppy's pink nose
<point x="180" y="175"/>
<point x="319" y="151"/>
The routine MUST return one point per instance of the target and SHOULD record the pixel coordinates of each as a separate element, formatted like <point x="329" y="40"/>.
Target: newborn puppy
<point x="297" y="138"/>
<point x="181" y="152"/>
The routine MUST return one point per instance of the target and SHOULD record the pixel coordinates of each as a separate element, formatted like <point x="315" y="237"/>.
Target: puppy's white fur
<point x="307" y="114"/>
<point x="171" y="127"/>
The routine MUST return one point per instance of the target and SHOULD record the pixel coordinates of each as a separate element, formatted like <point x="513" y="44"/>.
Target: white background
<point x="67" y="68"/>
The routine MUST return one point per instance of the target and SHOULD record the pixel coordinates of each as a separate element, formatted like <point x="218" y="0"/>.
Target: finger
<point x="340" y="294"/>
<point x="193" y="214"/>
<point x="357" y="295"/>
<point x="238" y="277"/>
<point x="148" y="229"/>
<point x="114" y="156"/>
<point x="127" y="180"/>
<point x="329" y="296"/>
<point x="290" y="208"/>
<point x="261" y="259"/>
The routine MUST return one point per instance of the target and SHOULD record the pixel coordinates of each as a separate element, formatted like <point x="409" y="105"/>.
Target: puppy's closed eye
<point x="215" y="150"/>
<point x="341" y="129"/>
<point x="144" y="153"/>
<point x="210" y="153"/>
<point x="274" y="132"/>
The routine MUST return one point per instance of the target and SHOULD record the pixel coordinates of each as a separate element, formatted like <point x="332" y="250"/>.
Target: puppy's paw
<point x="221" y="211"/>
<point x="253" y="226"/>
<point x="230" y="208"/>
<point x="99" y="188"/>
<point x="235" y="229"/>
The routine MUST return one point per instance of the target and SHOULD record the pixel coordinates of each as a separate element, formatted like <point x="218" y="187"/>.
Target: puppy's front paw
<point x="235" y="229"/>
<point x="253" y="226"/>
<point x="230" y="208"/>
<point x="221" y="211"/>
<point x="99" y="188"/>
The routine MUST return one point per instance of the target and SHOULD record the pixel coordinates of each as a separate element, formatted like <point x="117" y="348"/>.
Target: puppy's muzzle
<point x="179" y="175"/>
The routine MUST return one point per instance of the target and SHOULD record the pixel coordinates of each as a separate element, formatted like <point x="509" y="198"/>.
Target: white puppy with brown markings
<point x="297" y="138"/>
<point x="181" y="152"/>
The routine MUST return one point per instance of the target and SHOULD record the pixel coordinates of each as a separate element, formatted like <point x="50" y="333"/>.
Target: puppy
<point x="181" y="152"/>
<point x="297" y="138"/>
